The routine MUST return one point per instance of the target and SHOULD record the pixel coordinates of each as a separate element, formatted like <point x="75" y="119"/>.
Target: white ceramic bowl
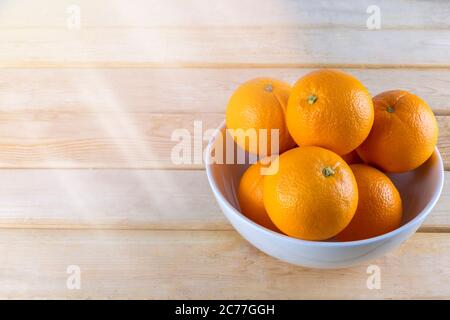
<point x="420" y="189"/>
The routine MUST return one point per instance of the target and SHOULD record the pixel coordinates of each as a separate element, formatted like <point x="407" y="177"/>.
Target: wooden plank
<point x="203" y="265"/>
<point x="221" y="46"/>
<point x="53" y="139"/>
<point x="182" y="90"/>
<point x="139" y="199"/>
<point x="95" y="140"/>
<point x="128" y="199"/>
<point x="144" y="13"/>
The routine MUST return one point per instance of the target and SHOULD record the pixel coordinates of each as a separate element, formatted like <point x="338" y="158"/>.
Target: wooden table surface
<point x="86" y="117"/>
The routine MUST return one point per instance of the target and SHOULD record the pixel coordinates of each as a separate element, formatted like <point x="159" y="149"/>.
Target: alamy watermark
<point x="224" y="147"/>
<point x="73" y="281"/>
<point x="373" y="22"/>
<point x="73" y="20"/>
<point x="373" y="281"/>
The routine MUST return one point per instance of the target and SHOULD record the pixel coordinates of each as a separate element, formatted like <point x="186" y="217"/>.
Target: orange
<point x="260" y="104"/>
<point x="313" y="196"/>
<point x="404" y="133"/>
<point x="379" y="207"/>
<point x="330" y="109"/>
<point x="352" y="157"/>
<point x="250" y="196"/>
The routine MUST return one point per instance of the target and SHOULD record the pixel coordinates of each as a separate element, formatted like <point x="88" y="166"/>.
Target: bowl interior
<point x="418" y="188"/>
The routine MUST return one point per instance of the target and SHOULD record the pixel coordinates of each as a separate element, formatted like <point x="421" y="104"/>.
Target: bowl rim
<point x="421" y="216"/>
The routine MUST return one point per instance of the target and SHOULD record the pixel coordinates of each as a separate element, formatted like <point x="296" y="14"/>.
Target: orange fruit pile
<point x="336" y="145"/>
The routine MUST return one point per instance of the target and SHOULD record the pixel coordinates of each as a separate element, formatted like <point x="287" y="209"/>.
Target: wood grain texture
<point x="182" y="90"/>
<point x="153" y="13"/>
<point x="221" y="46"/>
<point x="95" y="140"/>
<point x="128" y="199"/>
<point x="109" y="95"/>
<point x="53" y="139"/>
<point x="203" y="265"/>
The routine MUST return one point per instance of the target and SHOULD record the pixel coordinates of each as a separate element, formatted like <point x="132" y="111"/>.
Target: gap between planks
<point x="152" y="65"/>
<point x="5" y="226"/>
